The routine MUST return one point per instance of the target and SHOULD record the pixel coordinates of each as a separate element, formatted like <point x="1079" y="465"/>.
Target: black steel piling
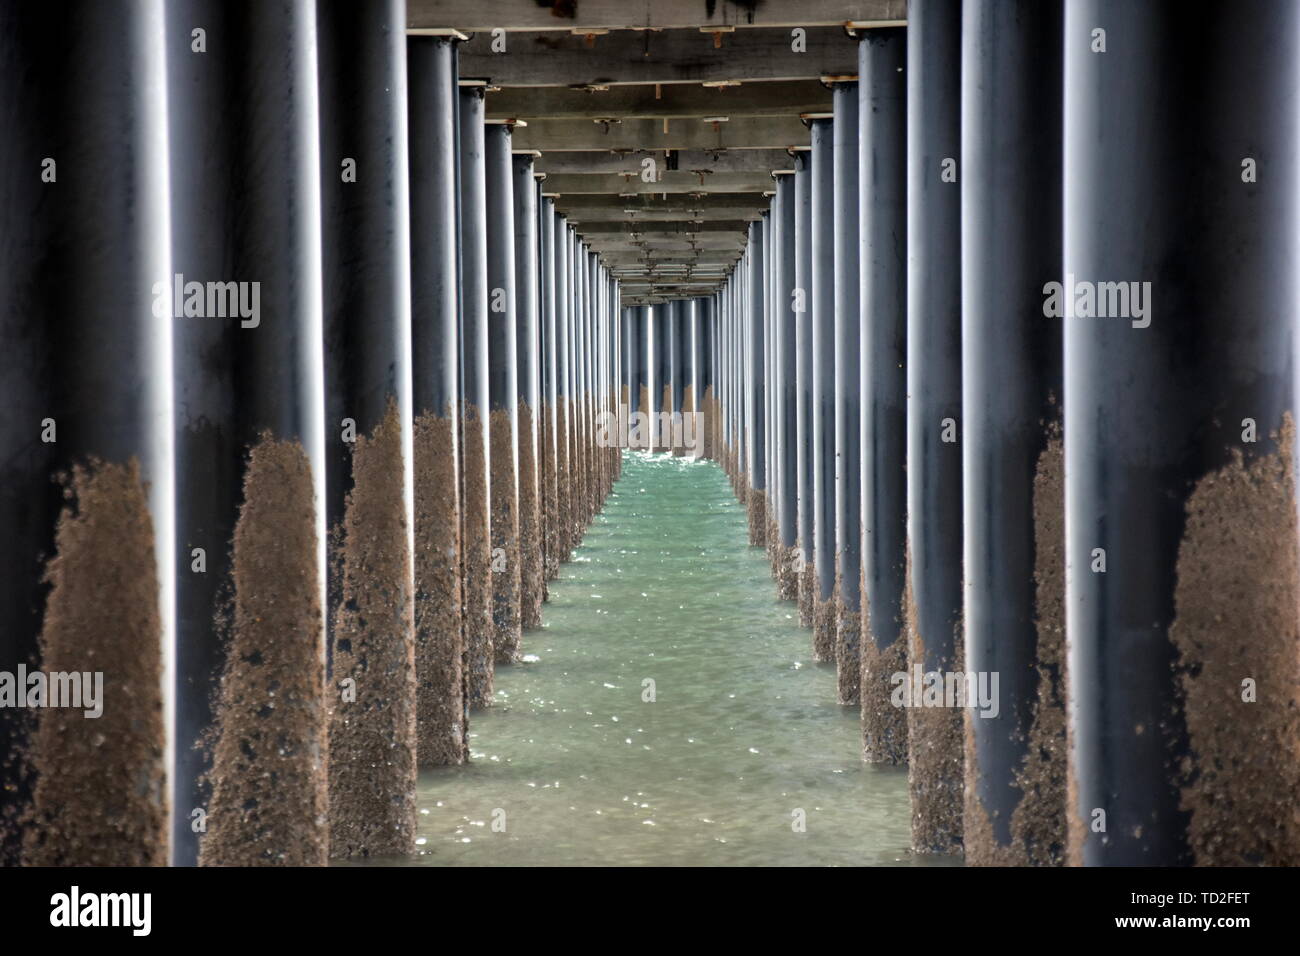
<point x="822" y="398"/>
<point x="933" y="603"/>
<point x="476" y="515"/>
<point x="87" y="491"/>
<point x="882" y="213"/>
<point x="846" y="343"/>
<point x="503" y="394"/>
<point x="532" y="581"/>
<point x="365" y="214"/>
<point x="1011" y="389"/>
<point x="441" y="702"/>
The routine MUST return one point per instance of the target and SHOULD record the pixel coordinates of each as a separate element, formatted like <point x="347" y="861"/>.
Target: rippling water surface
<point x="743" y="732"/>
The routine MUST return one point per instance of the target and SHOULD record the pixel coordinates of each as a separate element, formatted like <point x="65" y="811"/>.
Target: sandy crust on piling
<point x="775" y="553"/>
<point x="506" y="573"/>
<point x="532" y="572"/>
<point x="981" y="845"/>
<point x="884" y="726"/>
<point x="578" y="500"/>
<point x="1040" y="819"/>
<point x="757" y="511"/>
<point x="788" y="578"/>
<point x="807" y="590"/>
<point x="439" y="621"/>
<point x="563" y="495"/>
<point x="100" y="796"/>
<point x="476" y="559"/>
<point x="1236" y="600"/>
<point x="590" y="454"/>
<point x="825" y="617"/>
<point x="372" y="740"/>
<point x="548" y="510"/>
<point x="269" y="778"/>
<point x="577" y="475"/>
<point x="935" y="743"/>
<point x="1038" y="824"/>
<point x="848" y="654"/>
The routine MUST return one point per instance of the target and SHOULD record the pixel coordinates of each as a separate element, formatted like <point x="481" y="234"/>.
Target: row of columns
<point x="666" y="352"/>
<point x="1074" y="501"/>
<point x="305" y="375"/>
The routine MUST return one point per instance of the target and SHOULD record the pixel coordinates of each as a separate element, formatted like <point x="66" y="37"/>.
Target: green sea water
<point x="573" y="765"/>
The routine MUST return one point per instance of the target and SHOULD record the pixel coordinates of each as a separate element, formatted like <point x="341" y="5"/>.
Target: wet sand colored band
<point x="531" y="535"/>
<point x="550" y="510"/>
<point x="1038" y="822"/>
<point x="99" y="798"/>
<point x="505" y="540"/>
<point x="1236" y="633"/>
<point x="439" y="622"/>
<point x="476" y="560"/>
<point x="269" y="783"/>
<point x="372" y="738"/>
<point x="884" y="725"/>
<point x="756" y="510"/>
<point x="935" y="742"/>
<point x="848" y="653"/>
<point x="563" y="492"/>
<point x="825" y="618"/>
<point x="807" y="588"/>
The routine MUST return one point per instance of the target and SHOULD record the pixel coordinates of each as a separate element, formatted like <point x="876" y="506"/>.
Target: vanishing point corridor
<point x="743" y="731"/>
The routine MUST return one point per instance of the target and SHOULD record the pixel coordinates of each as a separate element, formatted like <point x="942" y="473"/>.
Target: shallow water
<point x="743" y="731"/>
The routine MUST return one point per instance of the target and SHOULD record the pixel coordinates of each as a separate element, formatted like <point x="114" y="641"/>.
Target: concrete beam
<point x="676" y="181"/>
<point x="666" y="257"/>
<point x="686" y="227"/>
<point x="630" y="161"/>
<point x="674" y="101"/>
<point x="611" y="243"/>
<point x="587" y="216"/>
<point x="742" y="132"/>
<point x="515" y="15"/>
<point x="636" y="277"/>
<point x="645" y="203"/>
<point x="671" y="56"/>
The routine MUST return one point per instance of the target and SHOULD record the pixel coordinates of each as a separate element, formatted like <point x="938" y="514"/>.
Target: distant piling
<point x="882" y="214"/>
<point x="532" y="572"/>
<point x="755" y="395"/>
<point x="822" y="398"/>
<point x="1014" y="515"/>
<point x="476" y="518"/>
<point x="503" y="391"/>
<point x="441" y="703"/>
<point x="803" y="564"/>
<point x="847" y="396"/>
<point x="933" y="602"/>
